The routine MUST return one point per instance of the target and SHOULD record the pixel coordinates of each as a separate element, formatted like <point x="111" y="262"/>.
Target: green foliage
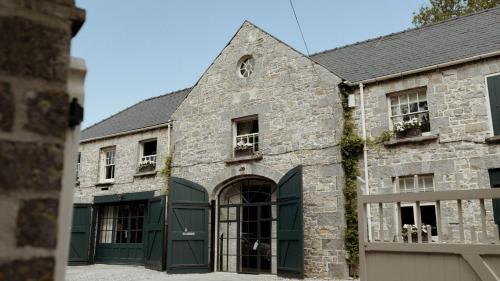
<point x="167" y="170"/>
<point x="351" y="147"/>
<point x="440" y="10"/>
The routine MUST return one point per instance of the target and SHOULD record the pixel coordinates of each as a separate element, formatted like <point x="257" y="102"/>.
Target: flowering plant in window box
<point x="243" y="146"/>
<point x="414" y="233"/>
<point x="409" y="128"/>
<point x="147" y="165"/>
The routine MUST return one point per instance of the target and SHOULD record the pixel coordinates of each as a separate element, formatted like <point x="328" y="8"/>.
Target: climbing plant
<point x="167" y="170"/>
<point x="351" y="145"/>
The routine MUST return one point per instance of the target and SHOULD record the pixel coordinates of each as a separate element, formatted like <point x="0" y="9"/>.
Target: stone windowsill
<point x="494" y="139"/>
<point x="104" y="183"/>
<point x="255" y="157"/>
<point x="146" y="174"/>
<point x="418" y="139"/>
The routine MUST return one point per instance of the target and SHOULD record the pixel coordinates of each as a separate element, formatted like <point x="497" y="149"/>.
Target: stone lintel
<point x="418" y="139"/>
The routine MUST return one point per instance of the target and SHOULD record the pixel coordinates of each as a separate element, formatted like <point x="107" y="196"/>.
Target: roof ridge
<point x="404" y="31"/>
<point x="137" y="103"/>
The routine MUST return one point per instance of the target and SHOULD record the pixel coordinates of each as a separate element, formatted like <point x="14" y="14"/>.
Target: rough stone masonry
<point x="34" y="105"/>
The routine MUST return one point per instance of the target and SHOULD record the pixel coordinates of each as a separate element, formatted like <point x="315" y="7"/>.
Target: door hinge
<point x="75" y="113"/>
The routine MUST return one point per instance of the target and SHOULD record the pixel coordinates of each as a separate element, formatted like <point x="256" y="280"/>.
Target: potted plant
<point x="243" y="146"/>
<point x="409" y="128"/>
<point x="146" y="165"/>
<point x="414" y="233"/>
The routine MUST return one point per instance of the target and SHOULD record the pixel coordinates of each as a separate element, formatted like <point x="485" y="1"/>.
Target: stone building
<point x="256" y="169"/>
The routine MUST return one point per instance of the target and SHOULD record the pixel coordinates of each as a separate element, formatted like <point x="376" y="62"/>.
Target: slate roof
<point x="147" y="113"/>
<point x="446" y="41"/>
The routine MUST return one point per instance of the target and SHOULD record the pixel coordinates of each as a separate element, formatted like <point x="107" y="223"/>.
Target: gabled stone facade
<point x="300" y="120"/>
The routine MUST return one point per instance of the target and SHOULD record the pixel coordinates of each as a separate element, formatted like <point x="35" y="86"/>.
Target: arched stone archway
<point x="256" y="170"/>
<point x="246" y="225"/>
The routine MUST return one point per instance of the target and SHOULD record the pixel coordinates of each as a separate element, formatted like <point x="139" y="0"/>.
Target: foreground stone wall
<point x="34" y="110"/>
<point x="127" y="158"/>
<point x="459" y="157"/>
<point x="300" y="122"/>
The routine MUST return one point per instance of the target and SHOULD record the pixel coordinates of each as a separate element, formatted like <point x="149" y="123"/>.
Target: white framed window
<point x="409" y="104"/>
<point x="108" y="164"/>
<point x="147" y="154"/>
<point x="418" y="183"/>
<point x="245" y="136"/>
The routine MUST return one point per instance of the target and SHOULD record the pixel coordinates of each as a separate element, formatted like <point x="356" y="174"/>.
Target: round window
<point x="246" y="66"/>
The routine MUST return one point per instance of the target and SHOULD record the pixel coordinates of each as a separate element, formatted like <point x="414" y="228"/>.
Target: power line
<point x="300" y="29"/>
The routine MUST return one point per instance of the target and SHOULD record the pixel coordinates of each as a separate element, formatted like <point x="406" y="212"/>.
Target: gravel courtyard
<point x="102" y="272"/>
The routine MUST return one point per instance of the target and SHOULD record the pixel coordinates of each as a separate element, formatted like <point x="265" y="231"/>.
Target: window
<point x="108" y="164"/>
<point x="246" y="66"/>
<point x="408" y="105"/>
<point x="147" y="160"/>
<point x="423" y="183"/>
<point x="246" y="136"/>
<point x="79" y="159"/>
<point x="122" y="223"/>
<point x="418" y="183"/>
<point x="494" y="97"/>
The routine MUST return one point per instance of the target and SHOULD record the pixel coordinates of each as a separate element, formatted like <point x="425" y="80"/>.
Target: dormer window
<point x="147" y="159"/>
<point x="246" y="136"/>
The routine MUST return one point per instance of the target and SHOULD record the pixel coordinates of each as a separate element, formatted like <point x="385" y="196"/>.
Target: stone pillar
<point x="35" y="37"/>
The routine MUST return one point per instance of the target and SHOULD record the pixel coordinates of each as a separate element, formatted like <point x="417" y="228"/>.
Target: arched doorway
<point x="247" y="226"/>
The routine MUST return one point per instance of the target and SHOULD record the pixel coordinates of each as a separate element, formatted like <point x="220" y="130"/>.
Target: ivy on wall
<point x="167" y="170"/>
<point x="351" y="146"/>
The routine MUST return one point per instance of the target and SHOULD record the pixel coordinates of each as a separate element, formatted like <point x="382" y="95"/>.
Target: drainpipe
<point x="169" y="133"/>
<point x="365" y="156"/>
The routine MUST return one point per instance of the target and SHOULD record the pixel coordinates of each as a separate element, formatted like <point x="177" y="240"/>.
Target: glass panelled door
<point x="120" y="233"/>
<point x="247" y="218"/>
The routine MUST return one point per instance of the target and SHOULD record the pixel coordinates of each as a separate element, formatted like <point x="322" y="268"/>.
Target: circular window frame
<point x="246" y="66"/>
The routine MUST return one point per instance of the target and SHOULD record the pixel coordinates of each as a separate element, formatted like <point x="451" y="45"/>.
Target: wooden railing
<point x="437" y="197"/>
<point x="478" y="247"/>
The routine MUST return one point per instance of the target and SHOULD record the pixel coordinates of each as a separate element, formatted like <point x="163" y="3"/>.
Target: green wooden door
<point x="155" y="223"/>
<point x="494" y="95"/>
<point x="495" y="183"/>
<point x="187" y="224"/>
<point x="79" y="249"/>
<point x="290" y="232"/>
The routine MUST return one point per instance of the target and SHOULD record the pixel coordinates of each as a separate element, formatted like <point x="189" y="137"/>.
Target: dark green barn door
<point x="495" y="183"/>
<point x="494" y="95"/>
<point x="155" y="223"/>
<point x="79" y="249"/>
<point x="187" y="248"/>
<point x="290" y="238"/>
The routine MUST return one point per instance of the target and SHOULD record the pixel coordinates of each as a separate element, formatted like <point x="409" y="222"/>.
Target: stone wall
<point x="34" y="110"/>
<point x="300" y="122"/>
<point x="459" y="158"/>
<point x="126" y="161"/>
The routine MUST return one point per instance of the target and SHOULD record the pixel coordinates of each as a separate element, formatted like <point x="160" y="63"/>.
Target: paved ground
<point x="101" y="272"/>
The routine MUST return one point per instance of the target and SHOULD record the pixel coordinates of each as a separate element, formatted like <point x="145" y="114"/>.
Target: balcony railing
<point x="148" y="160"/>
<point x="248" y="142"/>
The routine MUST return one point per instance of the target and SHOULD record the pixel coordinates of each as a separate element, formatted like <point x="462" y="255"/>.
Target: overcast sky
<point x="139" y="49"/>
